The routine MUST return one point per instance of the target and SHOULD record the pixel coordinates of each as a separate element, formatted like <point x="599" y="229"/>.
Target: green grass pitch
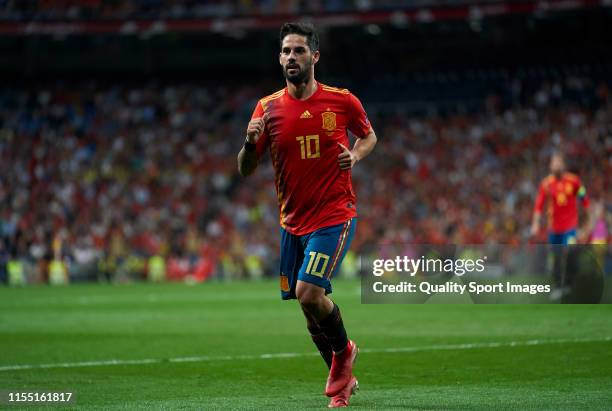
<point x="206" y="346"/>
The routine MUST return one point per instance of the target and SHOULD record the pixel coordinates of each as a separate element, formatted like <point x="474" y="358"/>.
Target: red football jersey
<point x="303" y="136"/>
<point x="563" y="195"/>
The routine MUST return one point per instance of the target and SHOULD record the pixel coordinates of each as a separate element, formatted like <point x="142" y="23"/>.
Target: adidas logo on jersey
<point x="306" y="114"/>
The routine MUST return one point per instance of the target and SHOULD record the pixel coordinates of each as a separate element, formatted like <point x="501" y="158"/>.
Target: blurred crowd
<point x="471" y="178"/>
<point x="45" y="10"/>
<point x="127" y="182"/>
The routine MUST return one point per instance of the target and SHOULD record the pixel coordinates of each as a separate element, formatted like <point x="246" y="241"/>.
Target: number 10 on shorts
<point x="317" y="263"/>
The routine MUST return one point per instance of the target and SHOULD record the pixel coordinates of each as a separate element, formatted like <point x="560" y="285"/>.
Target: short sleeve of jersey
<point x="264" y="139"/>
<point x="358" y="123"/>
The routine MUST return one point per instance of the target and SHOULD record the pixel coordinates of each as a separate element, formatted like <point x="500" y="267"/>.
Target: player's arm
<point x="362" y="147"/>
<point x="248" y="156"/>
<point x="537" y="212"/>
<point x="360" y="126"/>
<point x="535" y="223"/>
<point x="589" y="223"/>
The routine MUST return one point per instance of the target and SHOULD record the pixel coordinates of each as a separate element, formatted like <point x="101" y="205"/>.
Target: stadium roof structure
<point x="400" y="17"/>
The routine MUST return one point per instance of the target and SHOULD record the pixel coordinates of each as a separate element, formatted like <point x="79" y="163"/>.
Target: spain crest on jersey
<point x="284" y="283"/>
<point x="329" y="120"/>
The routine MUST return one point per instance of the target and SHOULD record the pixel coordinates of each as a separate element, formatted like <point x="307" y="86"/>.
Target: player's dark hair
<point x="303" y="29"/>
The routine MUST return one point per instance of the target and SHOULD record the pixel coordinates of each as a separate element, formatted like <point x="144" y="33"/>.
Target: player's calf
<point x="345" y="352"/>
<point x="321" y="342"/>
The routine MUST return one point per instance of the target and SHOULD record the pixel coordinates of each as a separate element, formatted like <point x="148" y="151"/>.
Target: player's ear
<point x="315" y="57"/>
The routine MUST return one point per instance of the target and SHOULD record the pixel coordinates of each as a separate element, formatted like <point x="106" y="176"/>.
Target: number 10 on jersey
<point x="309" y="146"/>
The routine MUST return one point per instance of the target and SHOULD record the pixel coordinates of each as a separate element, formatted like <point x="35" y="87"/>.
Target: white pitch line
<point x="206" y="358"/>
<point x="470" y="346"/>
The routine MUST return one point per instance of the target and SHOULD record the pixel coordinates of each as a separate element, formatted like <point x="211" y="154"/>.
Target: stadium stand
<point x="41" y="10"/>
<point x="104" y="178"/>
<point x="120" y="122"/>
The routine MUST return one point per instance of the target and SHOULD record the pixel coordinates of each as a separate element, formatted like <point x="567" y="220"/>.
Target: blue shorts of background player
<point x="313" y="258"/>
<point x="564" y="238"/>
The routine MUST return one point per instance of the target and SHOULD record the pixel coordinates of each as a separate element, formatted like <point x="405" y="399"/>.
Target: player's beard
<point x="301" y="77"/>
<point x="557" y="172"/>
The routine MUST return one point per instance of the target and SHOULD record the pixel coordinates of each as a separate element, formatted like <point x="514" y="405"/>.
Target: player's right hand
<point x="255" y="128"/>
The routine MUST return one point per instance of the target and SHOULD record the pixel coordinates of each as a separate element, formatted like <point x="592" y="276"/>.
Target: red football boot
<point x="341" y="370"/>
<point x="342" y="399"/>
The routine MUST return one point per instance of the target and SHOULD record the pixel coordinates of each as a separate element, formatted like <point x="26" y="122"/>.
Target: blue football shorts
<point x="564" y="238"/>
<point x="313" y="258"/>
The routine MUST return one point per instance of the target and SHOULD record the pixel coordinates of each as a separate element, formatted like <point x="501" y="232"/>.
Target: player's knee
<point x="308" y="296"/>
<point x="305" y="297"/>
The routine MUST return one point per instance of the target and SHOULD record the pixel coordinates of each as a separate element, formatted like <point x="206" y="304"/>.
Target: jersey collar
<point x="317" y="91"/>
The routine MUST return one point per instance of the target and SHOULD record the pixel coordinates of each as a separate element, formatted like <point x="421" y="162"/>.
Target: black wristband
<point x="249" y="146"/>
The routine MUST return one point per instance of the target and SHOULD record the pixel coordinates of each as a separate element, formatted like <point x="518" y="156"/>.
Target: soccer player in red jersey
<point x="562" y="190"/>
<point x="305" y="128"/>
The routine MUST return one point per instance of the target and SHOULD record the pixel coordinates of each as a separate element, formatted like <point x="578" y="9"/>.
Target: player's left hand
<point x="346" y="159"/>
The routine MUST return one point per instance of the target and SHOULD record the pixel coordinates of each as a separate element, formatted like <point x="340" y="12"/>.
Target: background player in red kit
<point x="305" y="127"/>
<point x="562" y="191"/>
